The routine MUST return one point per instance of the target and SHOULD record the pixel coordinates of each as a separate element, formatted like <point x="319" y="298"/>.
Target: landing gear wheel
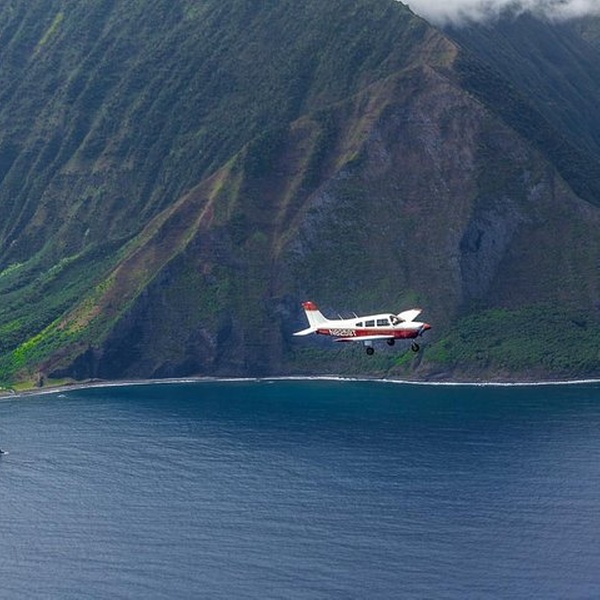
<point x="391" y="342"/>
<point x="370" y="350"/>
<point x="415" y="347"/>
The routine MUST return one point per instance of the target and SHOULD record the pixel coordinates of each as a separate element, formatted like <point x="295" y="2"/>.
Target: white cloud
<point x="442" y="12"/>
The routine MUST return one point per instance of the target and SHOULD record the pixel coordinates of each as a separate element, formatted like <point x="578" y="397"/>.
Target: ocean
<point x="305" y="489"/>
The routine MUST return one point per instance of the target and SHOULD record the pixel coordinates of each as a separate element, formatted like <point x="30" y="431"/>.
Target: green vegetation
<point x="58" y="19"/>
<point x="527" y="342"/>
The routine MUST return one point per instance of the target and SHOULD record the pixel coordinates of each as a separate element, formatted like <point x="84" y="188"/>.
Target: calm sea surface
<point x="301" y="489"/>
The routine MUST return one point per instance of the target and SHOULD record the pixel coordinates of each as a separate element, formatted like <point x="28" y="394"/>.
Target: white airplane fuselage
<point x="366" y="329"/>
<point x="379" y="325"/>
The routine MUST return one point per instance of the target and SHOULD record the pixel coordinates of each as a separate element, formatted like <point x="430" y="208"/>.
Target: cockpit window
<point x="382" y="322"/>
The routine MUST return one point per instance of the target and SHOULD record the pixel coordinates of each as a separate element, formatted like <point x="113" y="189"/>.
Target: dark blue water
<point x="299" y="490"/>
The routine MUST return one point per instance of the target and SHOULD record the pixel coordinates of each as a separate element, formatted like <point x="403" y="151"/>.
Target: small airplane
<point x="367" y="329"/>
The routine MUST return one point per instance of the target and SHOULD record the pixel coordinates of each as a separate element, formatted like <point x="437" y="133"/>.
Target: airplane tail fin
<point x="315" y="318"/>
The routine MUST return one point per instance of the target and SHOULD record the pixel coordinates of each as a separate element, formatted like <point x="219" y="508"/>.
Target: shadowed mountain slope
<point x="555" y="67"/>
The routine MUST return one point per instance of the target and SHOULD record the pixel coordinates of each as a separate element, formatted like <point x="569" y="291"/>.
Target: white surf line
<point x="429" y="383"/>
<point x="206" y="379"/>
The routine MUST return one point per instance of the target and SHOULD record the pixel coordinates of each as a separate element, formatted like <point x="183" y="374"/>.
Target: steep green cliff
<point x="175" y="177"/>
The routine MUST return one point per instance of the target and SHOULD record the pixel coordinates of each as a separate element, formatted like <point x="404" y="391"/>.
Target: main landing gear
<point x="370" y="350"/>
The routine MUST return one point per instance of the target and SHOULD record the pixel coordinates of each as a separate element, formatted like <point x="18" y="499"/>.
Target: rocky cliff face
<point x="392" y="177"/>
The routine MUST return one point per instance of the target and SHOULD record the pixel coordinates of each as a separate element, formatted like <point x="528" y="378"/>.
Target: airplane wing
<point x="364" y="338"/>
<point x="409" y="315"/>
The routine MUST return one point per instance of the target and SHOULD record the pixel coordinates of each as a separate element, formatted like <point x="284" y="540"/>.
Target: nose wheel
<point x="415" y="347"/>
<point x="370" y="350"/>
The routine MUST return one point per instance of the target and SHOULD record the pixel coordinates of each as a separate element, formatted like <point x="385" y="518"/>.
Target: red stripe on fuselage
<point x="399" y="334"/>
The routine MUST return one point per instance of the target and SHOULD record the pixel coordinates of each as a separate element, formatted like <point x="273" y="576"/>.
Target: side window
<point x="382" y="322"/>
<point x="359" y="324"/>
<point x="369" y="323"/>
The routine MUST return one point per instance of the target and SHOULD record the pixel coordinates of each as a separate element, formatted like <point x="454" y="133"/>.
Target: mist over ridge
<point x="460" y="12"/>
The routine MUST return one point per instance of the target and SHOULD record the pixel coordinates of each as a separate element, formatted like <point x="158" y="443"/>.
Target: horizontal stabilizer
<point x="307" y="331"/>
